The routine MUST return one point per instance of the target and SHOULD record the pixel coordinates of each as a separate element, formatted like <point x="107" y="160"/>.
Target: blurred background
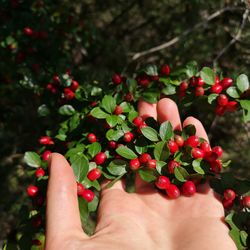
<point x="94" y="39"/>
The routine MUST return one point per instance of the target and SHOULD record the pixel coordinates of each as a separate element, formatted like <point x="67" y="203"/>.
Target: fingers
<point x="200" y="131"/>
<point x="146" y="109"/>
<point x="62" y="212"/>
<point x="167" y="110"/>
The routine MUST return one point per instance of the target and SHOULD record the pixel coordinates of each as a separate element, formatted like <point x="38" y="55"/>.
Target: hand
<point x="142" y="220"/>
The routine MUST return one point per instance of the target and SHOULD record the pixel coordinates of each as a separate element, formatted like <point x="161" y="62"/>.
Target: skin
<point x="142" y="220"/>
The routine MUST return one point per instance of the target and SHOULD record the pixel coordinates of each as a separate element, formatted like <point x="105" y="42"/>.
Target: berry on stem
<point x="74" y="85"/>
<point x="173" y="191"/>
<point x="128" y="137"/>
<point x="118" y="110"/>
<point x="216" y="166"/>
<point x="246" y="201"/>
<point x="205" y="146"/>
<point x="197" y="153"/>
<point x="188" y="188"/>
<point x="144" y="158"/>
<point x="80" y="189"/>
<point x="216" y="89"/>
<point x="32" y="191"/>
<point x="88" y="195"/>
<point x="94" y="174"/>
<point x="138" y="121"/>
<point x="179" y="140"/>
<point x="46" y="155"/>
<point x="112" y="144"/>
<point x="91" y="138"/>
<point x="183" y="86"/>
<point x="199" y="91"/>
<point x="226" y="82"/>
<point x="151" y="164"/>
<point x="46" y="140"/>
<point x="100" y="158"/>
<point x="172" y="165"/>
<point x="199" y="81"/>
<point x="117" y="79"/>
<point x="173" y="147"/>
<point x="192" y="141"/>
<point x="222" y="100"/>
<point x="229" y="194"/>
<point x="218" y="151"/>
<point x="165" y="70"/>
<point x="162" y="182"/>
<point x="40" y="172"/>
<point x="134" y="164"/>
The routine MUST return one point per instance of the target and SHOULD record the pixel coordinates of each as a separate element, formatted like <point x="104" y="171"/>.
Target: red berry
<point x="46" y="140"/>
<point x="226" y="82"/>
<point x="205" y="146"/>
<point x="183" y="86"/>
<point x="151" y="163"/>
<point x="100" y="158"/>
<point x="93" y="104"/>
<point x="246" y="201"/>
<point x="220" y="110"/>
<point x="118" y="110"/>
<point x="216" y="88"/>
<point x="68" y="94"/>
<point x="128" y="137"/>
<point x="88" y="195"/>
<point x="112" y="144"/>
<point x="199" y="81"/>
<point x="227" y="204"/>
<point x="210" y="156"/>
<point x="179" y="140"/>
<point x="217" y="80"/>
<point x="129" y="97"/>
<point x="155" y="78"/>
<point x="222" y="100"/>
<point x="143" y="80"/>
<point x="94" y="174"/>
<point x="46" y="155"/>
<point x="232" y="106"/>
<point x="40" y="172"/>
<point x="197" y="153"/>
<point x="134" y="164"/>
<point x="32" y="191"/>
<point x="172" y="165"/>
<point x="188" y="188"/>
<point x="91" y="138"/>
<point x="56" y="79"/>
<point x="181" y="94"/>
<point x="229" y="194"/>
<point x="192" y="141"/>
<point x="216" y="166"/>
<point x="162" y="182"/>
<point x="137" y="121"/>
<point x="193" y="81"/>
<point x="173" y="191"/>
<point x="117" y="79"/>
<point x="199" y="91"/>
<point x="74" y="85"/>
<point x="28" y="31"/>
<point x="173" y="147"/>
<point x="80" y="189"/>
<point x="218" y="151"/>
<point x="144" y="158"/>
<point x="165" y="70"/>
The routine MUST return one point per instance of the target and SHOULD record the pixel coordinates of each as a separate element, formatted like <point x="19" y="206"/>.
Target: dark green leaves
<point x="151" y="70"/>
<point x="80" y="165"/>
<point x="161" y="151"/>
<point x="112" y="120"/>
<point x="150" y="133"/>
<point x="147" y="175"/>
<point x="43" y="110"/>
<point x="191" y="69"/>
<point x="114" y="135"/>
<point x="94" y="148"/>
<point x="108" y="104"/>
<point x="117" y="167"/>
<point x="98" y="113"/>
<point x="245" y="104"/>
<point x="66" y="110"/>
<point x="232" y="91"/>
<point x="207" y="74"/>
<point x="211" y="98"/>
<point x="166" y="131"/>
<point x="242" y="82"/>
<point x="126" y="152"/>
<point x="181" y="174"/>
<point x="197" y="166"/>
<point x="32" y="159"/>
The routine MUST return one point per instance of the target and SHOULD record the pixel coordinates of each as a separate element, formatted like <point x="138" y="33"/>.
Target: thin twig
<point x="235" y="38"/>
<point x="185" y="33"/>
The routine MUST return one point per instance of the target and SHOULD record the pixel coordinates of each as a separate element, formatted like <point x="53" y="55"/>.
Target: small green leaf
<point x="95" y="91"/>
<point x="117" y="167"/>
<point x="161" y="151"/>
<point x="160" y="165"/>
<point x="245" y="104"/>
<point x="94" y="149"/>
<point x="76" y="150"/>
<point x="43" y="110"/>
<point x="126" y="152"/>
<point x="180" y="174"/>
<point x="191" y="69"/>
<point x="150" y="133"/>
<point x="114" y="135"/>
<point x="83" y="208"/>
<point x="211" y="98"/>
<point x="151" y="70"/>
<point x="232" y="92"/>
<point x="112" y="120"/>
<point x="98" y="113"/>
<point x="169" y="90"/>
<point x="147" y="175"/>
<point x="109" y="103"/>
<point x="166" y="131"/>
<point x="242" y="83"/>
<point x="80" y="166"/>
<point x="207" y="74"/>
<point x="150" y="96"/>
<point x="61" y="137"/>
<point x="92" y="206"/>
<point x="125" y="107"/>
<point x="132" y="114"/>
<point x="66" y="110"/>
<point x="197" y="166"/>
<point x="32" y="159"/>
<point x="243" y="237"/>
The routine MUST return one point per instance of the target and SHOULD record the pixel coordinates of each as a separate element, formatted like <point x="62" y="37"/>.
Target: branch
<point x="185" y="33"/>
<point x="235" y="38"/>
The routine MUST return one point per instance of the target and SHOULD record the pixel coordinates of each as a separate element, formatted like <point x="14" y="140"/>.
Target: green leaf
<point x="94" y="148"/>
<point x="211" y="98"/>
<point x="76" y="150"/>
<point x="126" y="152"/>
<point x="197" y="166"/>
<point x="150" y="133"/>
<point x="191" y="69"/>
<point x="117" y="167"/>
<point x="88" y="183"/>
<point x="95" y="91"/>
<point x="98" y="113"/>
<point x="108" y="103"/>
<point x="242" y="82"/>
<point x="147" y="175"/>
<point x="160" y="165"/>
<point x="92" y="206"/>
<point x="181" y="174"/>
<point x="32" y="159"/>
<point x="80" y="166"/>
<point x="83" y="208"/>
<point x="114" y="135"/>
<point x="112" y="120"/>
<point x="245" y="104"/>
<point x="150" y="96"/>
<point x="125" y="107"/>
<point x="232" y="92"/>
<point x="61" y="137"/>
<point x="151" y="70"/>
<point x="207" y="74"/>
<point x="66" y="110"/>
<point x="169" y="90"/>
<point x="189" y="130"/>
<point x="43" y="110"/>
<point x="132" y="114"/>
<point x="161" y="151"/>
<point x="166" y="131"/>
<point x="243" y="237"/>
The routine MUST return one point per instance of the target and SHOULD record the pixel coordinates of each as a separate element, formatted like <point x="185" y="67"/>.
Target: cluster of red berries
<point x="85" y="193"/>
